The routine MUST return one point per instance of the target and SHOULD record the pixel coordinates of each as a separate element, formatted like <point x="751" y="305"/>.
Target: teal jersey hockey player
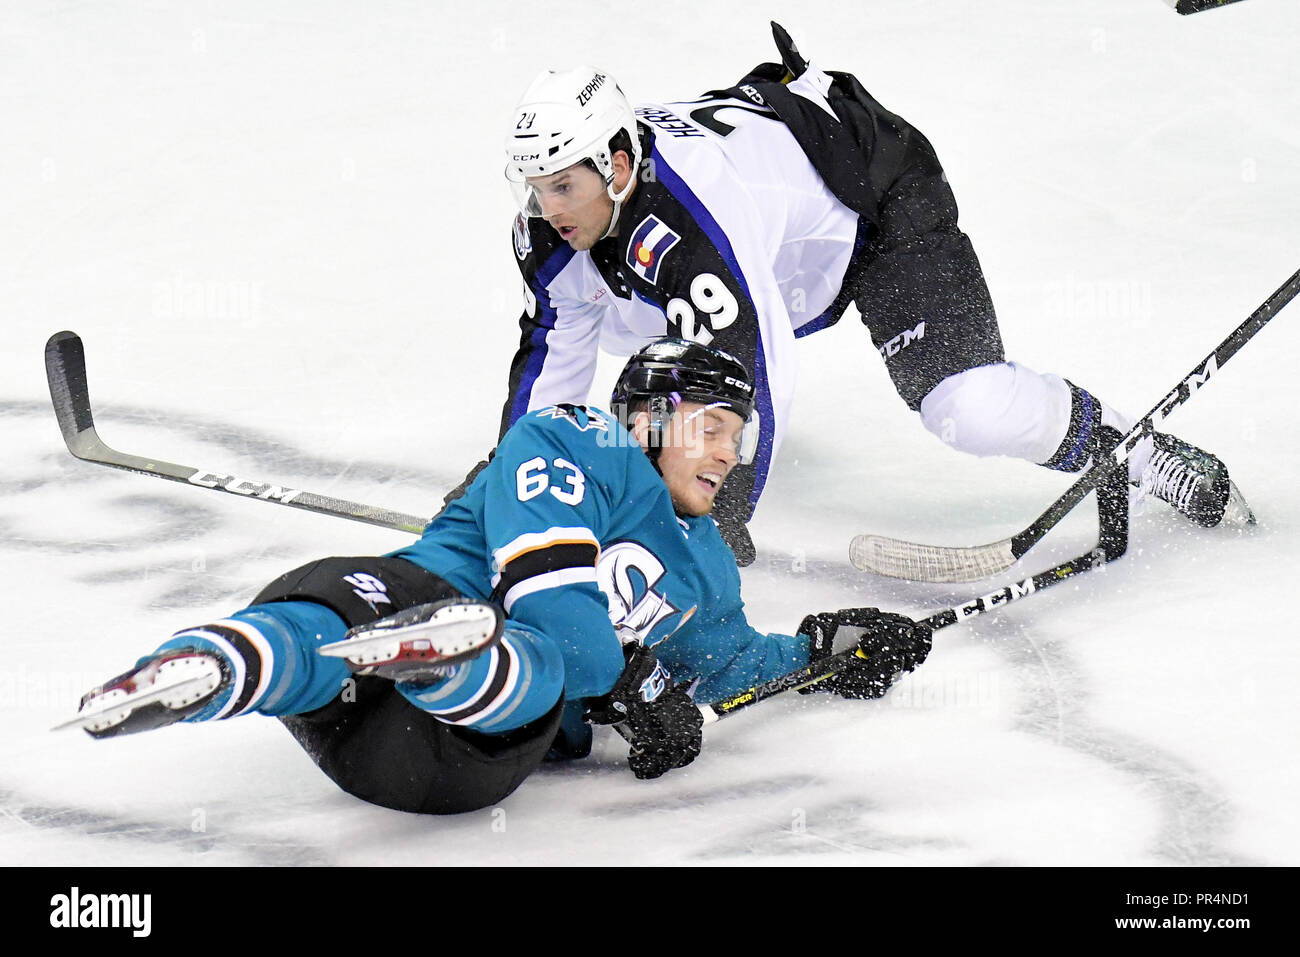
<point x="579" y="580"/>
<point x="570" y="483"/>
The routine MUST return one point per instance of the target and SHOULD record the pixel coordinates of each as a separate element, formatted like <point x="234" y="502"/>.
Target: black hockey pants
<point x="376" y="745"/>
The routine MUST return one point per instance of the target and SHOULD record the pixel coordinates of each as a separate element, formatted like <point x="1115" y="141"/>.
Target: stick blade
<point x="65" y="370"/>
<point x="1196" y="6"/>
<point x="895" y="558"/>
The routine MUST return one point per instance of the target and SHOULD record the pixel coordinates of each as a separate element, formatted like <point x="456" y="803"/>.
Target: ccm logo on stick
<point x="243" y="486"/>
<point x="977" y="605"/>
<point x="1184" y="391"/>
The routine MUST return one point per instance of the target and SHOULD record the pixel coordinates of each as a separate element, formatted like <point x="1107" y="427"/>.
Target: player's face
<point x="701" y="447"/>
<point x="576" y="204"/>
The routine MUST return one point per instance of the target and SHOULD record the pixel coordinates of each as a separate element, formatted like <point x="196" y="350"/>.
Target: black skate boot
<point x="166" y="688"/>
<point x="1194" y="482"/>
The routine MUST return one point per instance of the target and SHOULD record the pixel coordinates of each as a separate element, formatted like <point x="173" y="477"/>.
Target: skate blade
<point x="1236" y="513"/>
<point x="451" y="633"/>
<point x="117" y="705"/>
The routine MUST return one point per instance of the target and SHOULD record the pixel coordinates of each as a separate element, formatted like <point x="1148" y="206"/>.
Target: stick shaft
<point x="898" y="558"/>
<point x="1150" y="422"/>
<point x="65" y="369"/>
<point x="1113" y="516"/>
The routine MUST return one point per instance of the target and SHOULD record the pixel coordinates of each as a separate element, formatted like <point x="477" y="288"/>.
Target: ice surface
<point x="281" y="229"/>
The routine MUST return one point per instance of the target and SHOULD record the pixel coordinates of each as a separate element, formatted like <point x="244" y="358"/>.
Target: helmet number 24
<point x="709" y="297"/>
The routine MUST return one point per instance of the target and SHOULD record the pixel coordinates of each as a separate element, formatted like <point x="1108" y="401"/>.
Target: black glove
<point x="730" y="513"/>
<point x="891" y="646"/>
<point x="659" y="719"/>
<point x="460" y="489"/>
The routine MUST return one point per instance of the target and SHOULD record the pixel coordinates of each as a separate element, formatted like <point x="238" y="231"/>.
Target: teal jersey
<point x="573" y="531"/>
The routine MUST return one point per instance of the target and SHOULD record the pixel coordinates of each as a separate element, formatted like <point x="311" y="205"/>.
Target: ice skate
<point x="166" y="688"/>
<point x="1194" y="482"/>
<point x="419" y="644"/>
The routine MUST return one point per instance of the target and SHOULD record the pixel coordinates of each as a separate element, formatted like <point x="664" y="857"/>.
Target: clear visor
<point x="749" y="440"/>
<point x="746" y="444"/>
<point x="566" y="192"/>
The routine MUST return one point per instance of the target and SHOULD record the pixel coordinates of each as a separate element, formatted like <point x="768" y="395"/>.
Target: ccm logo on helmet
<point x="589" y="90"/>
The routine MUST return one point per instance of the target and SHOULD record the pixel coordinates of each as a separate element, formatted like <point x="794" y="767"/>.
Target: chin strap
<point x="661" y="410"/>
<point x="618" y="199"/>
<point x="621" y="196"/>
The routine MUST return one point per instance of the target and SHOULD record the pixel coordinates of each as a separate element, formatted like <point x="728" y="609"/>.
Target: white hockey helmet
<point x="567" y="117"/>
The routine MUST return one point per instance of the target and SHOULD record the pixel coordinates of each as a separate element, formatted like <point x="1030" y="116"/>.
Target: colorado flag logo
<point x="650" y="243"/>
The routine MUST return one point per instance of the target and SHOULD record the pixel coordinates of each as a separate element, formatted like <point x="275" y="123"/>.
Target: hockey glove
<point x="659" y="720"/>
<point x="890" y="646"/>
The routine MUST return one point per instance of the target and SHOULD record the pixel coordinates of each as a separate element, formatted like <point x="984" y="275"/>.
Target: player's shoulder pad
<point x="572" y="426"/>
<point x="575" y="437"/>
<point x="659" y="225"/>
<point x="667" y="244"/>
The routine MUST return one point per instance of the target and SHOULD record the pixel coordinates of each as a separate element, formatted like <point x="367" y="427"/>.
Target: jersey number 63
<point x="533" y="478"/>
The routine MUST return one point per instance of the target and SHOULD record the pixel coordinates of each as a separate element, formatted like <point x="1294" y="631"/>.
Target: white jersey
<point x="730" y="238"/>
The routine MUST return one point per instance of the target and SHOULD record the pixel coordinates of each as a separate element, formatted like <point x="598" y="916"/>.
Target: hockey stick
<point x="65" y="368"/>
<point x="1196" y="6"/>
<point x="940" y="563"/>
<point x="1112" y="513"/>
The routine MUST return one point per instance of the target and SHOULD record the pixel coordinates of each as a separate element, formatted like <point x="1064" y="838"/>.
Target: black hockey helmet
<point x="668" y="371"/>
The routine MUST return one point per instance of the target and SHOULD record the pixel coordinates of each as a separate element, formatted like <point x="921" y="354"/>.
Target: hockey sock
<point x="1083" y="441"/>
<point x="1079" y="444"/>
<point x="516" y="681"/>
<point x="272" y="652"/>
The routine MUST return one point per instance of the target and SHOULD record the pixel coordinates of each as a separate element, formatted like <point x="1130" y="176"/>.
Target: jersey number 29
<point x="709" y="295"/>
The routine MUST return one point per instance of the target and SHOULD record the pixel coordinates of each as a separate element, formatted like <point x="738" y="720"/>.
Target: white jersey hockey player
<point x="753" y="216"/>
